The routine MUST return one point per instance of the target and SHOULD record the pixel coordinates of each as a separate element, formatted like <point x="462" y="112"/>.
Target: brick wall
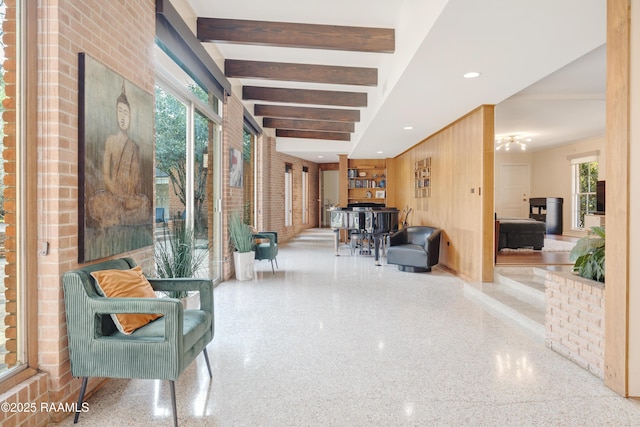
<point x="120" y="35"/>
<point x="232" y="197"/>
<point x="33" y="391"/>
<point x="271" y="166"/>
<point x="575" y="320"/>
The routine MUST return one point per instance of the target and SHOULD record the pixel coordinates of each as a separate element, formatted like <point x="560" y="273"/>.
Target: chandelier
<point x="508" y="142"/>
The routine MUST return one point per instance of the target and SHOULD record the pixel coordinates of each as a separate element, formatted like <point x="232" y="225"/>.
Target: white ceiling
<point x="541" y="62"/>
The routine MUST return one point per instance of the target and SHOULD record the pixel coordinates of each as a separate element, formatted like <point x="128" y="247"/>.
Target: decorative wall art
<point x="115" y="163"/>
<point x="236" y="172"/>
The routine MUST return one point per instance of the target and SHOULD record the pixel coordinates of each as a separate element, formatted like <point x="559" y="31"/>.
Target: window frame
<point x="576" y="194"/>
<point x="195" y="106"/>
<point x="26" y="195"/>
<point x="288" y="195"/>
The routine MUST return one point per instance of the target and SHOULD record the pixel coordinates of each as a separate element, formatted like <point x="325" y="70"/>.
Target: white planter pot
<point x="243" y="263"/>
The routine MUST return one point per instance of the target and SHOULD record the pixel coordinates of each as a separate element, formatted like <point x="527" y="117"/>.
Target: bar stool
<point x="357" y="239"/>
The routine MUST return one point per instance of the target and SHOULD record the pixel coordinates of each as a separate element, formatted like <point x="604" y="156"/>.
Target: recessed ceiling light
<point x="321" y="157"/>
<point x="379" y="152"/>
<point x="407" y="127"/>
<point x="471" y="75"/>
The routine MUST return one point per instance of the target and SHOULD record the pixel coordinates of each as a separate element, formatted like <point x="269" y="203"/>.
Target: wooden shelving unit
<point x="422" y="178"/>
<point x="367" y="181"/>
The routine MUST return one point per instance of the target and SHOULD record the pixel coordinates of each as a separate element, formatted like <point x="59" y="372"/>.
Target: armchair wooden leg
<point x="272" y="270"/>
<point x="172" y="385"/>
<point x="83" y="389"/>
<point x="206" y="359"/>
<point x="276" y="260"/>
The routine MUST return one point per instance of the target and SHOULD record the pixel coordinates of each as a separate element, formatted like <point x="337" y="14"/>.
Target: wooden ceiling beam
<point x="312" y="73"/>
<point x="286" y="34"/>
<point x="305" y="96"/>
<point x="308" y="113"/>
<point x="297" y="124"/>
<point x="334" y="136"/>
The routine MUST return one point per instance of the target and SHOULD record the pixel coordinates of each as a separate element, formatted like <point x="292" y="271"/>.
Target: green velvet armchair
<point x="266" y="246"/>
<point x="161" y="349"/>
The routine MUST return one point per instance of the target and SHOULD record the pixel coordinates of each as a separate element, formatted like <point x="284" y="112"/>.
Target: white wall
<point x="551" y="170"/>
<point x="551" y="174"/>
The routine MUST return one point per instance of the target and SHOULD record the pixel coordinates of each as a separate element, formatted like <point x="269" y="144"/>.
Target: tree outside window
<point x="585" y="175"/>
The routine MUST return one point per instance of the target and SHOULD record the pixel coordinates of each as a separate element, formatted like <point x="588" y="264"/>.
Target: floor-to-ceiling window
<point x="187" y="169"/>
<point x="288" y="194"/>
<point x="248" y="170"/>
<point x="14" y="287"/>
<point x="305" y="194"/>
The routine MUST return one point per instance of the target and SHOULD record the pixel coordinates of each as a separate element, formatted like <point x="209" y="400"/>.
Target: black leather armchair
<point x="414" y="249"/>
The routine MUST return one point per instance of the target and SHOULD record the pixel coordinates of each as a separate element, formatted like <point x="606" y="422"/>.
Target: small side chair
<point x="266" y="246"/>
<point x="100" y="346"/>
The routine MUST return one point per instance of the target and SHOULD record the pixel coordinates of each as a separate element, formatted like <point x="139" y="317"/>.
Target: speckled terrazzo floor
<point x="337" y="341"/>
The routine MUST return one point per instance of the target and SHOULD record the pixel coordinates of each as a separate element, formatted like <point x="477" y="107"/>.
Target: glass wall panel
<point x="171" y="157"/>
<point x="12" y="291"/>
<point x="248" y="157"/>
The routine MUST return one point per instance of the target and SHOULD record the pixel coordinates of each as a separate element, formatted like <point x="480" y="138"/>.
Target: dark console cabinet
<point x="548" y="210"/>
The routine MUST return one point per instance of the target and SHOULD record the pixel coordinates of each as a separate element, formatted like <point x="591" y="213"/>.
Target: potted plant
<point x="241" y="239"/>
<point x="176" y="254"/>
<point x="588" y="255"/>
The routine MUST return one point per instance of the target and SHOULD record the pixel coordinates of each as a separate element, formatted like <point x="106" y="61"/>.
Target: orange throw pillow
<point x="126" y="284"/>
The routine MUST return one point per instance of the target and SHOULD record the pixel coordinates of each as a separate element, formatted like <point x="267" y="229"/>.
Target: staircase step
<point x="524" y="283"/>
<point x="525" y="310"/>
<point x="517" y="293"/>
<point x="314" y="236"/>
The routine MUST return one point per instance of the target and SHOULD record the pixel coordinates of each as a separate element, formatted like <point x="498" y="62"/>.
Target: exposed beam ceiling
<point x="305" y="96"/>
<point x="302" y="122"/>
<point x="285" y="34"/>
<point x="307" y="113"/>
<point x="310" y="73"/>
<point x="420" y="86"/>
<point x="276" y="123"/>
<point x="307" y="134"/>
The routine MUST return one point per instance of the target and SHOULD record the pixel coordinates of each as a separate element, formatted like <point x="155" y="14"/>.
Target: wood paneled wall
<point x="618" y="190"/>
<point x="461" y="201"/>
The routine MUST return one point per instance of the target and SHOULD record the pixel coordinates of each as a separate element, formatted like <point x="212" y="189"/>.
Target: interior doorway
<point x="512" y="195"/>
<point x="329" y="194"/>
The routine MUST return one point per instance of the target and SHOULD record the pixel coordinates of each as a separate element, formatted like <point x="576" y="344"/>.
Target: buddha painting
<point x="115" y="163"/>
<point x="121" y="202"/>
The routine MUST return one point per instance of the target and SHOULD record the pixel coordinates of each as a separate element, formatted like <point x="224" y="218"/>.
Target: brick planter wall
<point x="575" y="320"/>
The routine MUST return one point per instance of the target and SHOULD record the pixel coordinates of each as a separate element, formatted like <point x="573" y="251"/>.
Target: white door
<point x="513" y="191"/>
<point x="329" y="193"/>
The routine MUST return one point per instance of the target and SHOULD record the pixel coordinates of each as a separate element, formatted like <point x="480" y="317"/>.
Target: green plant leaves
<point x="240" y="234"/>
<point x="588" y="255"/>
<point x="177" y="256"/>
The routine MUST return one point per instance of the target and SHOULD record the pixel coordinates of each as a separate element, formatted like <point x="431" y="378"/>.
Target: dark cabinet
<point x="547" y="210"/>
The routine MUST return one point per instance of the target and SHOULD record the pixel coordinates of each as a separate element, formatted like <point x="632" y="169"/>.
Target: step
<point x="501" y="300"/>
<point x="314" y="236"/>
<point x="517" y="293"/>
<point x="525" y="283"/>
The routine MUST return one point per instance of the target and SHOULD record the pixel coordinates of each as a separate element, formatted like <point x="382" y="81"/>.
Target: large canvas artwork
<point x="115" y="124"/>
<point x="236" y="169"/>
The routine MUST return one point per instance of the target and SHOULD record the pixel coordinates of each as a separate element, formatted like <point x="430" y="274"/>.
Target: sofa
<point x="515" y="233"/>
<point x="414" y="248"/>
